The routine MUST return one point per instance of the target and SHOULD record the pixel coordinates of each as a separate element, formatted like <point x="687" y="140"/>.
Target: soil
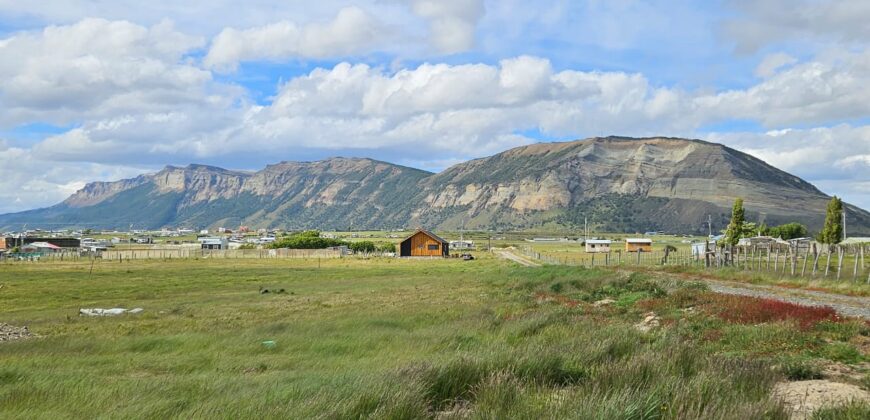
<point x="804" y="397"/>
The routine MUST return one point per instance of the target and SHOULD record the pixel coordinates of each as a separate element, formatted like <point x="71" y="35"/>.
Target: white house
<point x="458" y="245"/>
<point x="598" y="245"/>
<point x="214" y="243"/>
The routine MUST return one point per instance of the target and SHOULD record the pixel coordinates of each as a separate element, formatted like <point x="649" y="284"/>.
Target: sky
<point x="109" y="89"/>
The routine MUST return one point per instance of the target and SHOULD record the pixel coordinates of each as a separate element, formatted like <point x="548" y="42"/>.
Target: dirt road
<point x="507" y="254"/>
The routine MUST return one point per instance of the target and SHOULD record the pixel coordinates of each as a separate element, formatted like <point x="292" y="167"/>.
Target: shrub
<point x="362" y="247"/>
<point x="749" y="310"/>
<point x="800" y="370"/>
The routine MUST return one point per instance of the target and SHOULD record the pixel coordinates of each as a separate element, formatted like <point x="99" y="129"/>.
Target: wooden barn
<point x="424" y="244"/>
<point x="638" y="245"/>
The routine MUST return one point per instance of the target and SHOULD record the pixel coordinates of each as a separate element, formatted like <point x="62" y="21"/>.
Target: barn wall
<point x="635" y="247"/>
<point x="420" y="246"/>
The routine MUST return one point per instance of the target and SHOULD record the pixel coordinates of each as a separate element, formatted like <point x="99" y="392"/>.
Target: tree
<point x="387" y="247"/>
<point x="735" y="228"/>
<point x="787" y="231"/>
<point x="363" y="247"/>
<point x="832" y="232"/>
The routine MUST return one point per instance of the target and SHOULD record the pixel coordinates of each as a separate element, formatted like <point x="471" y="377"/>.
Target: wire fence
<point x="807" y="261"/>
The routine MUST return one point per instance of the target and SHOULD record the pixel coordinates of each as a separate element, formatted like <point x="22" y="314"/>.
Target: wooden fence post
<point x="840" y="252"/>
<point x="855" y="270"/>
<point x="806" y="257"/>
<point x="776" y="260"/>
<point x="828" y="262"/>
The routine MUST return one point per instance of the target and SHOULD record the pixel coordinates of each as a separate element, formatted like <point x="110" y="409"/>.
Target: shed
<point x="598" y="245"/>
<point x="214" y="243"/>
<point x="638" y="245"/>
<point x="423" y="243"/>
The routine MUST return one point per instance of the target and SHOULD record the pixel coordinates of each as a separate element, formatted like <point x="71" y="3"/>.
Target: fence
<point x="839" y="261"/>
<point x="178" y="253"/>
<point x="144" y="254"/>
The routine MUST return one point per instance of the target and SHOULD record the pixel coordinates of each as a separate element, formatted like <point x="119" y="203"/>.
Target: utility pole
<point x="585" y="230"/>
<point x="709" y="226"/>
<point x="844" y="223"/>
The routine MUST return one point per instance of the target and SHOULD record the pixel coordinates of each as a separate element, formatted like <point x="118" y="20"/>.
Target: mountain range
<point x="618" y="184"/>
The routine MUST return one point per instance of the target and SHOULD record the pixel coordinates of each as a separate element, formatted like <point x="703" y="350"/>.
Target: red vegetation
<point x="553" y="297"/>
<point x="749" y="310"/>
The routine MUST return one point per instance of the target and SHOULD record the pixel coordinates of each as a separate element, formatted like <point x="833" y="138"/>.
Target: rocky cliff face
<point x="619" y="183"/>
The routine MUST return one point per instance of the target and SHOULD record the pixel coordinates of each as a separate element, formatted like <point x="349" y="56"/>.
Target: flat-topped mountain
<point x="617" y="183"/>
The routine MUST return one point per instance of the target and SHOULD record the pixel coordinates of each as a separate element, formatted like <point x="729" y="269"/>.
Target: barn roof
<point x="427" y="233"/>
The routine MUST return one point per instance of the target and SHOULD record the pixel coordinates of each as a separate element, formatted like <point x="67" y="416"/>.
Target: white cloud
<point x="353" y="31"/>
<point x="773" y="62"/>
<point x="837" y="159"/>
<point x="31" y="182"/>
<point x="452" y="23"/>
<point x="97" y="68"/>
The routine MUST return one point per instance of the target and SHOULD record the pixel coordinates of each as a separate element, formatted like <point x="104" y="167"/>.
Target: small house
<point x="40" y="247"/>
<point x="638" y="245"/>
<point x="461" y="245"/>
<point x="214" y="243"/>
<point x="423" y="243"/>
<point x="598" y="245"/>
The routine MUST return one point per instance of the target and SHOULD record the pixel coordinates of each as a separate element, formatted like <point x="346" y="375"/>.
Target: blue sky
<point x="96" y="90"/>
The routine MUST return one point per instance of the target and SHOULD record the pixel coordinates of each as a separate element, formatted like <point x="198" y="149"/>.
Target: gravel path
<point x="845" y="305"/>
<point x="516" y="258"/>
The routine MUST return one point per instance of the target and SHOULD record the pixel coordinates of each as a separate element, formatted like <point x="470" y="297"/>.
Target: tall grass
<point x="376" y="339"/>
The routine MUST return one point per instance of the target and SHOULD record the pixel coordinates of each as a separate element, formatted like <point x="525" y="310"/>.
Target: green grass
<point x="383" y="338"/>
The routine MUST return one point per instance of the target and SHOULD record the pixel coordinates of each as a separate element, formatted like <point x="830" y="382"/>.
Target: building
<point x="40" y="247"/>
<point x="11" y="242"/>
<point x="855" y="241"/>
<point x="214" y="243"/>
<point x="598" y="245"/>
<point x="423" y="243"/>
<point x="461" y="245"/>
<point x="638" y="245"/>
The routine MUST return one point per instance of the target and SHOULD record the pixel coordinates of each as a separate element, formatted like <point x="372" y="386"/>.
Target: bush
<point x="387" y="247"/>
<point x="800" y="370"/>
<point x="309" y="239"/>
<point x="362" y="247"/>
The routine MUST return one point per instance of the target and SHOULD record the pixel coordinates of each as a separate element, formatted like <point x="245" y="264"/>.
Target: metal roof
<point x="427" y="233"/>
<point x="644" y="240"/>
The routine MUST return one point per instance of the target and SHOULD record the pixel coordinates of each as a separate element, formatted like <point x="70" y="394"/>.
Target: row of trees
<point x="311" y="239"/>
<point x="832" y="232"/>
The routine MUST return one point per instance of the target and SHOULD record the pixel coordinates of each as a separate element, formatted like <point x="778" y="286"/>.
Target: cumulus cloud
<point x="452" y="23"/>
<point x="353" y="31"/>
<point x="98" y="68"/>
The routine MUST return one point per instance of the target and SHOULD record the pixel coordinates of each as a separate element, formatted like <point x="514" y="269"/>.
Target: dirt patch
<point x="845" y="373"/>
<point x="12" y="333"/>
<point x="805" y="397"/>
<point x="650" y="321"/>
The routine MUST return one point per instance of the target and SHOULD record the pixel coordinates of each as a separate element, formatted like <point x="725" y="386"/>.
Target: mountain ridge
<point x="625" y="184"/>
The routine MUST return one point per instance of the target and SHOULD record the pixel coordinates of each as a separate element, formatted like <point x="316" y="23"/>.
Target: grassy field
<point x="387" y="338"/>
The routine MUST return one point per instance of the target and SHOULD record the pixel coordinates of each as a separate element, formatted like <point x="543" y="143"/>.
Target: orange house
<point x="638" y="245"/>
<point x="423" y="243"/>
